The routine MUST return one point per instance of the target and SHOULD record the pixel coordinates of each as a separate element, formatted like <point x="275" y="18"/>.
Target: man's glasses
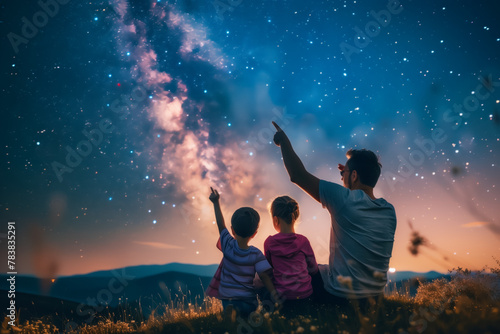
<point x="342" y="173"/>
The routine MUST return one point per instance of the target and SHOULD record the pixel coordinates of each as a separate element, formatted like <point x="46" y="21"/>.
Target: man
<point x="363" y="226"/>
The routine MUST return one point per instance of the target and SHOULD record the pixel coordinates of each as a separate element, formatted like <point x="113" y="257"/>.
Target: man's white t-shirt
<point x="361" y="241"/>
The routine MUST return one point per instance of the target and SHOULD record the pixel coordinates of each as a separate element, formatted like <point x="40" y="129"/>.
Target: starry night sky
<point x="118" y="116"/>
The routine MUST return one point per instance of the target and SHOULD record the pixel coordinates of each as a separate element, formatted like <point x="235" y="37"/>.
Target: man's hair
<point x="245" y="221"/>
<point x="366" y="164"/>
<point x="285" y="208"/>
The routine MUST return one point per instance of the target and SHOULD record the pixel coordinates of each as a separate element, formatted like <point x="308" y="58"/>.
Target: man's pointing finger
<point x="276" y="126"/>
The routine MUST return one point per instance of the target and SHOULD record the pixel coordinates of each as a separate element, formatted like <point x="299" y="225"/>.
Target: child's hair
<point x="286" y="208"/>
<point x="245" y="221"/>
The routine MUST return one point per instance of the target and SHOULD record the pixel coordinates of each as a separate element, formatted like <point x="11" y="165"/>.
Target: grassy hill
<point x="154" y="269"/>
<point x="121" y="283"/>
<point x="464" y="302"/>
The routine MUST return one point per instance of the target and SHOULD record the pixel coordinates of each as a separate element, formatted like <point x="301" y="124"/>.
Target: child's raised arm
<point x="214" y="197"/>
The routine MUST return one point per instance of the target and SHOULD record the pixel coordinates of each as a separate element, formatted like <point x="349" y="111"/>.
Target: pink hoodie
<point x="293" y="261"/>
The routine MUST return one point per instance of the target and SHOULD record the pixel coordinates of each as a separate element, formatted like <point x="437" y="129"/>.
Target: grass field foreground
<point x="468" y="302"/>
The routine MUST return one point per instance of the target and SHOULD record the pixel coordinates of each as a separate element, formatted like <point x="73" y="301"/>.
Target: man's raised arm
<point x="295" y="168"/>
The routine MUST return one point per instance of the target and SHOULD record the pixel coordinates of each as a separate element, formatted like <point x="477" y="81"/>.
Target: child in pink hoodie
<point x="290" y="254"/>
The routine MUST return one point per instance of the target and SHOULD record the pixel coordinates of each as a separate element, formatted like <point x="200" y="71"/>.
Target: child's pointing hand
<point x="214" y="196"/>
